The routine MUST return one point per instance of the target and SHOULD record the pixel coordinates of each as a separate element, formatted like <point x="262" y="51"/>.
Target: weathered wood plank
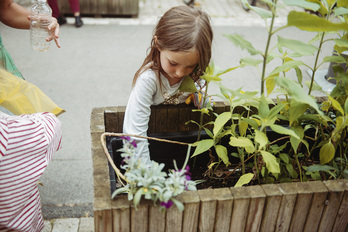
<point x="140" y="218"/>
<point x="120" y="117"/>
<point x="241" y="202"/>
<point x="257" y="202"/>
<point x="152" y="121"/>
<point x="341" y="222"/>
<point x="207" y="210"/>
<point x="103" y="220"/>
<point x="121" y="213"/>
<point x="184" y="117"/>
<point x="156" y="219"/>
<point x="174" y="219"/>
<point x="121" y="220"/>
<point x="286" y="207"/>
<point x="332" y="204"/>
<point x="317" y="205"/>
<point x="223" y="209"/>
<point x="304" y="196"/>
<point x="191" y="201"/>
<point x="111" y="121"/>
<point x="273" y="202"/>
<point x="172" y="120"/>
<point x="161" y="120"/>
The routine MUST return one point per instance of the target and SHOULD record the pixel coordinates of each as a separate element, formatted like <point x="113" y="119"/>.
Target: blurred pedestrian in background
<point x="75" y="8"/>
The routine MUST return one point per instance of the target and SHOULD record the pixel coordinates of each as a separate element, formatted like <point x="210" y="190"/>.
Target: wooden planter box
<point x="309" y="206"/>
<point x="100" y="8"/>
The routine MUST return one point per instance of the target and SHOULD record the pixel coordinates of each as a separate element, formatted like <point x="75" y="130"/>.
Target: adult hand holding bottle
<point x="16" y="16"/>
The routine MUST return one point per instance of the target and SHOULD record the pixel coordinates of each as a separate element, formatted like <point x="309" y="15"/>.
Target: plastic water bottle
<point x="41" y="17"/>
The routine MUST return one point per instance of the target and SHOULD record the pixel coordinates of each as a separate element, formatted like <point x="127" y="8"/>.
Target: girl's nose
<point x="179" y="72"/>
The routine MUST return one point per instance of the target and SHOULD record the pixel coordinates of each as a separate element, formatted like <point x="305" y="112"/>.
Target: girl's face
<point x="176" y="65"/>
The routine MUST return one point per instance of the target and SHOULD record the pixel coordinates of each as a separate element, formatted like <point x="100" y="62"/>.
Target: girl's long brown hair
<point x="180" y="29"/>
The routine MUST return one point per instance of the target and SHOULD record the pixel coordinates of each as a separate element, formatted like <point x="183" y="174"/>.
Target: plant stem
<point x="270" y="33"/>
<point x="316" y="63"/>
<point x="299" y="166"/>
<point x="201" y="122"/>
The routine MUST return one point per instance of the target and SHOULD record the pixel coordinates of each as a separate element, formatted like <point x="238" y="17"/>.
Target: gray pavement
<point x="95" y="67"/>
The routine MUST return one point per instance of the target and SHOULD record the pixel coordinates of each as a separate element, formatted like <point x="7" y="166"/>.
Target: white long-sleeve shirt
<point x="145" y="93"/>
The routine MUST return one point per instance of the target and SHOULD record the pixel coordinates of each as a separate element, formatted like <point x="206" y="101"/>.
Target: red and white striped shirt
<point x="27" y="143"/>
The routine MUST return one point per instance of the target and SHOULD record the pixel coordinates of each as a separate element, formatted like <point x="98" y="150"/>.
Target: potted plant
<point x="314" y="134"/>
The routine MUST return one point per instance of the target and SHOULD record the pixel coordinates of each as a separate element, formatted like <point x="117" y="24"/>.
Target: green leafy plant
<point x="302" y="125"/>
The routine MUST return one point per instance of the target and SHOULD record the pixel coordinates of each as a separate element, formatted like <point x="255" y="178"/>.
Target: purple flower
<point x="188" y="173"/>
<point x="167" y="204"/>
<point x="132" y="142"/>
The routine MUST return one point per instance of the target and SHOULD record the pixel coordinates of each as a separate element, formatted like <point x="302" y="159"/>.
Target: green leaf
<point x="327" y="153"/>
<point x="318" y="168"/>
<point x="293" y="140"/>
<point x="334" y="59"/>
<point x="220" y="121"/>
<point x="340" y="11"/>
<point x="303" y="3"/>
<point x="188" y="85"/>
<point x="263" y="107"/>
<point x="291" y="171"/>
<point x="242" y="142"/>
<point x="239" y="41"/>
<point x="341" y="42"/>
<point x="297" y="46"/>
<point x="248" y="61"/>
<point x="296" y="110"/>
<point x="286" y="66"/>
<point x="243" y="126"/>
<point x="310" y="22"/>
<point x="271" y="162"/>
<point x="284" y="157"/>
<point x="298" y="93"/>
<point x="274" y="111"/>
<point x="203" y="146"/>
<point x="270" y="84"/>
<point x="284" y="131"/>
<point x="244" y="179"/>
<point x="221" y="151"/>
<point x="336" y="105"/>
<point x="178" y="204"/>
<point x="261" y="138"/>
<point x="265" y="14"/>
<point x="346" y="106"/>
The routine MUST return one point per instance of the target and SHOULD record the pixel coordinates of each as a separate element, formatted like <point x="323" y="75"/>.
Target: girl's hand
<point x="54" y="31"/>
<point x="53" y="28"/>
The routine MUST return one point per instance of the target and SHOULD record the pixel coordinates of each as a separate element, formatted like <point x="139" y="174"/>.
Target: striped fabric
<point x="27" y="143"/>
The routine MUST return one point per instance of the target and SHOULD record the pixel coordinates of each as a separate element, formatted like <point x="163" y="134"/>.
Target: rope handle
<point x="118" y="172"/>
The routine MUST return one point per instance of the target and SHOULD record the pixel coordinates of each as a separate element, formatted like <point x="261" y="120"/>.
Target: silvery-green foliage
<point x="150" y="181"/>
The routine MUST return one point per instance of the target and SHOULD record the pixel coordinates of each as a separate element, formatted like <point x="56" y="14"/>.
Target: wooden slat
<point x="121" y="220"/>
<point x="317" y="205"/>
<point x="120" y="117"/>
<point x="111" y="121"/>
<point x="257" y="202"/>
<point x="156" y="219"/>
<point x="161" y="120"/>
<point x="207" y="210"/>
<point x="121" y="213"/>
<point x="341" y="221"/>
<point x="172" y="119"/>
<point x="174" y="218"/>
<point x="273" y="202"/>
<point x="152" y="121"/>
<point x="184" y="116"/>
<point x="241" y="202"/>
<point x="223" y="209"/>
<point x="332" y="204"/>
<point x="286" y="207"/>
<point x="140" y="218"/>
<point x="191" y="201"/>
<point x="103" y="220"/>
<point x="304" y="196"/>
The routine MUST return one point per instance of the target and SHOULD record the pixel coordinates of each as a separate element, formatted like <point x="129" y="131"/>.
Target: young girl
<point x="181" y="46"/>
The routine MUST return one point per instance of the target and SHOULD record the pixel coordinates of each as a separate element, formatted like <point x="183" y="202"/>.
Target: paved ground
<point x="94" y="68"/>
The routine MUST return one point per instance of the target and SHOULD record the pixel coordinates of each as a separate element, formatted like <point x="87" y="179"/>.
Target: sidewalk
<point x="94" y="68"/>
